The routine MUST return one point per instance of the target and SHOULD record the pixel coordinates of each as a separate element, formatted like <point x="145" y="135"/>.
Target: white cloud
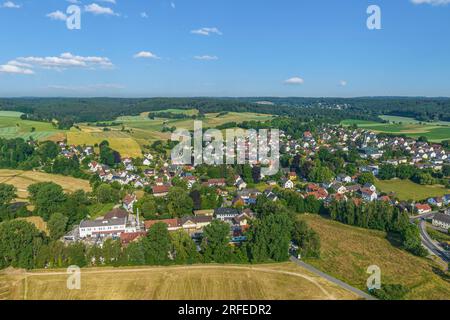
<point x="99" y="10"/>
<point x="172" y="4"/>
<point x="432" y="2"/>
<point x="26" y="65"/>
<point x="206" y="58"/>
<point x="109" y="1"/>
<point x="343" y="83"/>
<point x="13" y="68"/>
<point x="57" y="15"/>
<point x="294" y="81"/>
<point x="207" y="31"/>
<point x="146" y="54"/>
<point x="144" y="15"/>
<point x="11" y="5"/>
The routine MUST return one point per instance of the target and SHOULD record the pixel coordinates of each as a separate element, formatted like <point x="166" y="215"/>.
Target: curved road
<point x="427" y="241"/>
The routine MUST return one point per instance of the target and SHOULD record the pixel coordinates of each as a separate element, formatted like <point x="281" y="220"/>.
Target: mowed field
<point x="203" y="282"/>
<point x="22" y="179"/>
<point x="435" y="132"/>
<point x="408" y="190"/>
<point x="126" y="145"/>
<point x="347" y="252"/>
<point x="11" y="126"/>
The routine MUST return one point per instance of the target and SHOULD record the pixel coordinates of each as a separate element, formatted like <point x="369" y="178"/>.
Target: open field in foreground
<point x="435" y="132"/>
<point x="202" y="282"/>
<point x="408" y="190"/>
<point x="22" y="179"/>
<point x="348" y="251"/>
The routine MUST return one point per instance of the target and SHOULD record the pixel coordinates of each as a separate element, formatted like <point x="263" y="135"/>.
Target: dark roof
<point x="442" y="217"/>
<point x="116" y="213"/>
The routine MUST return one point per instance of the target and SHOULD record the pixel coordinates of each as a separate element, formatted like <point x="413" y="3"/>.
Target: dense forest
<point x="332" y="110"/>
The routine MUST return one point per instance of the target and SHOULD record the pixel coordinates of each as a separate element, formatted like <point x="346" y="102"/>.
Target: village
<point x="155" y="174"/>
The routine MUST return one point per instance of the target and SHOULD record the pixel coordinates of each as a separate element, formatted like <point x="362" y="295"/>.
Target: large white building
<point x="442" y="221"/>
<point x="103" y="228"/>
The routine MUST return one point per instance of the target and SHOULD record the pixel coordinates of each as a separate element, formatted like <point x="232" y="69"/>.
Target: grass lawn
<point x="347" y="252"/>
<point x="408" y="190"/>
<point x="438" y="235"/>
<point x="201" y="282"/>
<point x="22" y="179"/>
<point x="99" y="209"/>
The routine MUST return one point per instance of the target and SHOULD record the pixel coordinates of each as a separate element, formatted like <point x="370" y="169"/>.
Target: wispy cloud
<point x="146" y="55"/>
<point x="91" y="87"/>
<point x="144" y="15"/>
<point x="12" y="67"/>
<point x="294" y="81"/>
<point x="27" y="65"/>
<point x="206" y="58"/>
<point x="432" y="2"/>
<point x="207" y="31"/>
<point x="343" y="83"/>
<point x="11" y="5"/>
<point x="99" y="10"/>
<point x="57" y="15"/>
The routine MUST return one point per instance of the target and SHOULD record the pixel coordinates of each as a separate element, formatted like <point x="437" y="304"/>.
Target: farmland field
<point x="408" y="190"/>
<point x="435" y="132"/>
<point x="22" y="179"/>
<point x="347" y="252"/>
<point x="121" y="142"/>
<point x="203" y="282"/>
<point x="11" y="126"/>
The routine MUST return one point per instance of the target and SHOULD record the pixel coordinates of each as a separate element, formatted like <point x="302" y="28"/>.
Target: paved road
<point x="338" y="282"/>
<point x="430" y="244"/>
<point x="427" y="241"/>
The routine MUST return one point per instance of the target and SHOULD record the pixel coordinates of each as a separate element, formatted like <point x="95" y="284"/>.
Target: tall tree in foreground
<point x="215" y="245"/>
<point x="19" y="244"/>
<point x="157" y="245"/>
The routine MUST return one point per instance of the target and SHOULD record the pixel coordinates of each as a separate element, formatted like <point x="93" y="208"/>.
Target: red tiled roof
<point x="171" y="223"/>
<point x="127" y="238"/>
<point x="160" y="189"/>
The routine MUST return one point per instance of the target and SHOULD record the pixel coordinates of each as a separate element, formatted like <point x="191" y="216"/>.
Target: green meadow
<point x="434" y="131"/>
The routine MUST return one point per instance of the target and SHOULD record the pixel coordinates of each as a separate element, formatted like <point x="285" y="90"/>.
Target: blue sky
<point x="146" y="48"/>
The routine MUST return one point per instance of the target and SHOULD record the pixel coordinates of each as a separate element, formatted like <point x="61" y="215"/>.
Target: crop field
<point x="22" y="179"/>
<point x="435" y="132"/>
<point x="119" y="141"/>
<point x="202" y="282"/>
<point x="408" y="190"/>
<point x="11" y="126"/>
<point x="347" y="252"/>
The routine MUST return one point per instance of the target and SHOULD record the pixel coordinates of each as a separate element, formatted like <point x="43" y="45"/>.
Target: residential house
<point x="160" y="191"/>
<point x="368" y="194"/>
<point x="287" y="184"/>
<point x="422" y="208"/>
<point x="436" y="202"/>
<point x="129" y="201"/>
<point x="172" y="224"/>
<point x="102" y="228"/>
